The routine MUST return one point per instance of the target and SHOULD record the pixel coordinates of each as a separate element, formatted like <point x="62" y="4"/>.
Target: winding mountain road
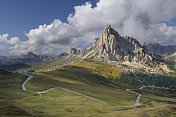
<point x="137" y="99"/>
<point x="42" y="92"/>
<point x="25" y="82"/>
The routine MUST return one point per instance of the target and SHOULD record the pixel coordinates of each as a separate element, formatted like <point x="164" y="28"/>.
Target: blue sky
<point x="19" y="16"/>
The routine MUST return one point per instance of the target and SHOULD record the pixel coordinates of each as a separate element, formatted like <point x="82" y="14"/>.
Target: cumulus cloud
<point x="141" y="19"/>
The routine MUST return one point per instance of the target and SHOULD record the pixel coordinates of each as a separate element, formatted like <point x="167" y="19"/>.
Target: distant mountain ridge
<point x="161" y="50"/>
<point x="30" y="55"/>
<point x="41" y="57"/>
<point x="24" y="59"/>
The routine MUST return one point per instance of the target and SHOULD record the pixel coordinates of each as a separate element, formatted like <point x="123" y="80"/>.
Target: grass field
<point x="10" y="93"/>
<point x="91" y="78"/>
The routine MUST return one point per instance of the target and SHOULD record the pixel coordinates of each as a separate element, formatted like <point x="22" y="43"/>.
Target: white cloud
<point x="138" y="18"/>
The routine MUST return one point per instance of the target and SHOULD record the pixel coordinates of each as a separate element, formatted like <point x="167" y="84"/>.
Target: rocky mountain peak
<point x="107" y="29"/>
<point x="112" y="46"/>
<point x="30" y="55"/>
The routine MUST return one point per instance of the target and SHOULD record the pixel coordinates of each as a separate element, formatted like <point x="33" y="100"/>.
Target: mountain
<point x="161" y="50"/>
<point x="74" y="51"/>
<point x="34" y="56"/>
<point x="62" y="55"/>
<point x="111" y="46"/>
<point x="25" y="59"/>
<point x="30" y="55"/>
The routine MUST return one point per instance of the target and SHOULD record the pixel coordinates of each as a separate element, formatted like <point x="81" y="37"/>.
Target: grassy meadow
<point x="91" y="78"/>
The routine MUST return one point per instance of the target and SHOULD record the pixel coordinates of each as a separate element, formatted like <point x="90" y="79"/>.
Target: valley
<point x="84" y="79"/>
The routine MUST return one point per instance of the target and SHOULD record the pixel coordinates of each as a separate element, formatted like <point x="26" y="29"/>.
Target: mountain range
<point x="29" y="58"/>
<point x="113" y="47"/>
<point x="161" y="50"/>
<point x="115" y="75"/>
<point x="110" y="46"/>
<point x="40" y="57"/>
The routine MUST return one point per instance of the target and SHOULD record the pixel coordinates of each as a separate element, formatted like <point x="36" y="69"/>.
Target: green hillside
<point x="10" y="93"/>
<point x="91" y="78"/>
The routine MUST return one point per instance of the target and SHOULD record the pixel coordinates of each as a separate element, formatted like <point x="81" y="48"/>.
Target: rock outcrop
<point x="83" y="51"/>
<point x="112" y="46"/>
<point x="62" y="55"/>
<point x="76" y="52"/>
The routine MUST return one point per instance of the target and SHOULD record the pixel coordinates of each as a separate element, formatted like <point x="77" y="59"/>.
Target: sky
<point x="53" y="26"/>
<point x="20" y="16"/>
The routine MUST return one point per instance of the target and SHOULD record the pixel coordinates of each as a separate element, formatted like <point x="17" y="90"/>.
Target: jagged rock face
<point x="74" y="51"/>
<point x="83" y="51"/>
<point x="111" y="46"/>
<point x="95" y="41"/>
<point x="62" y="54"/>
